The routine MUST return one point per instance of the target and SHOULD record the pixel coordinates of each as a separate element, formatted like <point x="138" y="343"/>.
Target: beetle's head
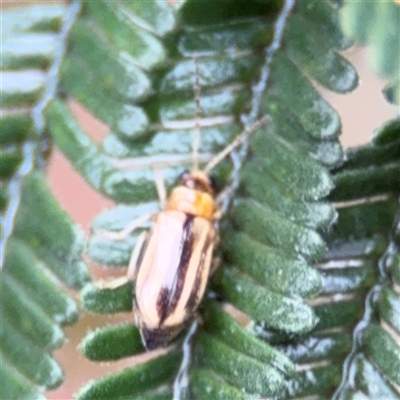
<point x="197" y="180"/>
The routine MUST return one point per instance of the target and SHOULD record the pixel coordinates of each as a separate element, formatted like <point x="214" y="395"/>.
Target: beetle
<point x="174" y="261"/>
<point x="171" y="264"/>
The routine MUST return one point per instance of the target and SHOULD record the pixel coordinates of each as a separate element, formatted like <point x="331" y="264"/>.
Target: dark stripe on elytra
<point x="168" y="299"/>
<point x="193" y="297"/>
<point x="162" y="303"/>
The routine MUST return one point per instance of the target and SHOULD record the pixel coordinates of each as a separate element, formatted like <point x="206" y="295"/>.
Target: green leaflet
<point x="264" y="305"/>
<point x="370" y="381"/>
<point x="253" y="376"/>
<point x="100" y="344"/>
<point x="18" y="387"/>
<point x="38" y="366"/>
<point x="389" y="307"/>
<point x="392" y="91"/>
<point x="15" y="128"/>
<point x="22" y="87"/>
<point x="110" y="70"/>
<point x="9" y="162"/>
<point x="143" y="47"/>
<point x="107" y="300"/>
<point x="383" y="350"/>
<point x="206" y="384"/>
<point x="229" y="331"/>
<point x="134" y="383"/>
<point x="276" y="232"/>
<point x="36" y="19"/>
<point x="40" y="246"/>
<point x="117" y="253"/>
<point x="318" y="381"/>
<point x="48" y="230"/>
<point x="378" y="27"/>
<point x="270" y="268"/>
<point x="317" y="58"/>
<point x="34" y="50"/>
<point x="27" y="274"/>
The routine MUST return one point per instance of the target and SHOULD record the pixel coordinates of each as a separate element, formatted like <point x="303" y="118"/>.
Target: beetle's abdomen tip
<point x="153" y="339"/>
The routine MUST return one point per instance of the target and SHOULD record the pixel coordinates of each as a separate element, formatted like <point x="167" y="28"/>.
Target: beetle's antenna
<point x="196" y="130"/>
<point x="240" y="139"/>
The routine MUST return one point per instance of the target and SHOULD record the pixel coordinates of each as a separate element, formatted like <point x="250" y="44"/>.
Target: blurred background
<point x="361" y="112"/>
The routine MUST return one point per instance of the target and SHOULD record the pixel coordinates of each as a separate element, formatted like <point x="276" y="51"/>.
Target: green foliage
<point x="45" y="248"/>
<point x="358" y="324"/>
<point x="40" y="246"/>
<point x="141" y="382"/>
<point x="146" y="98"/>
<point x="133" y="65"/>
<point x="364" y="251"/>
<point x="377" y="24"/>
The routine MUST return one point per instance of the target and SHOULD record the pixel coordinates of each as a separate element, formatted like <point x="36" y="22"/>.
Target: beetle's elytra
<point x="174" y="261"/>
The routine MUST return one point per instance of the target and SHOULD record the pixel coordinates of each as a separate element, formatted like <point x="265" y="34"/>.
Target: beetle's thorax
<point x="193" y="196"/>
<point x="191" y="201"/>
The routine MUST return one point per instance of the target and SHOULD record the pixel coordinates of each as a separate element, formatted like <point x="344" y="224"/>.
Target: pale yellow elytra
<point x="174" y="262"/>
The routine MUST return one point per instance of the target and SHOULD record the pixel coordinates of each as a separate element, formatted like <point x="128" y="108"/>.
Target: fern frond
<point x="377" y="25"/>
<point x="358" y="324"/>
<point x="253" y="59"/>
<point x="366" y="243"/>
<point x="39" y="244"/>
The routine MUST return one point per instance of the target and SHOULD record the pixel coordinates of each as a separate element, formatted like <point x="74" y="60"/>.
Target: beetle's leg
<point x="218" y="214"/>
<point x="216" y="261"/>
<point x="132" y="268"/>
<point x="124" y="233"/>
<point x="222" y="197"/>
<point x="111" y="284"/>
<point x="160" y="186"/>
<point x="226" y="193"/>
<point x="239" y="140"/>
